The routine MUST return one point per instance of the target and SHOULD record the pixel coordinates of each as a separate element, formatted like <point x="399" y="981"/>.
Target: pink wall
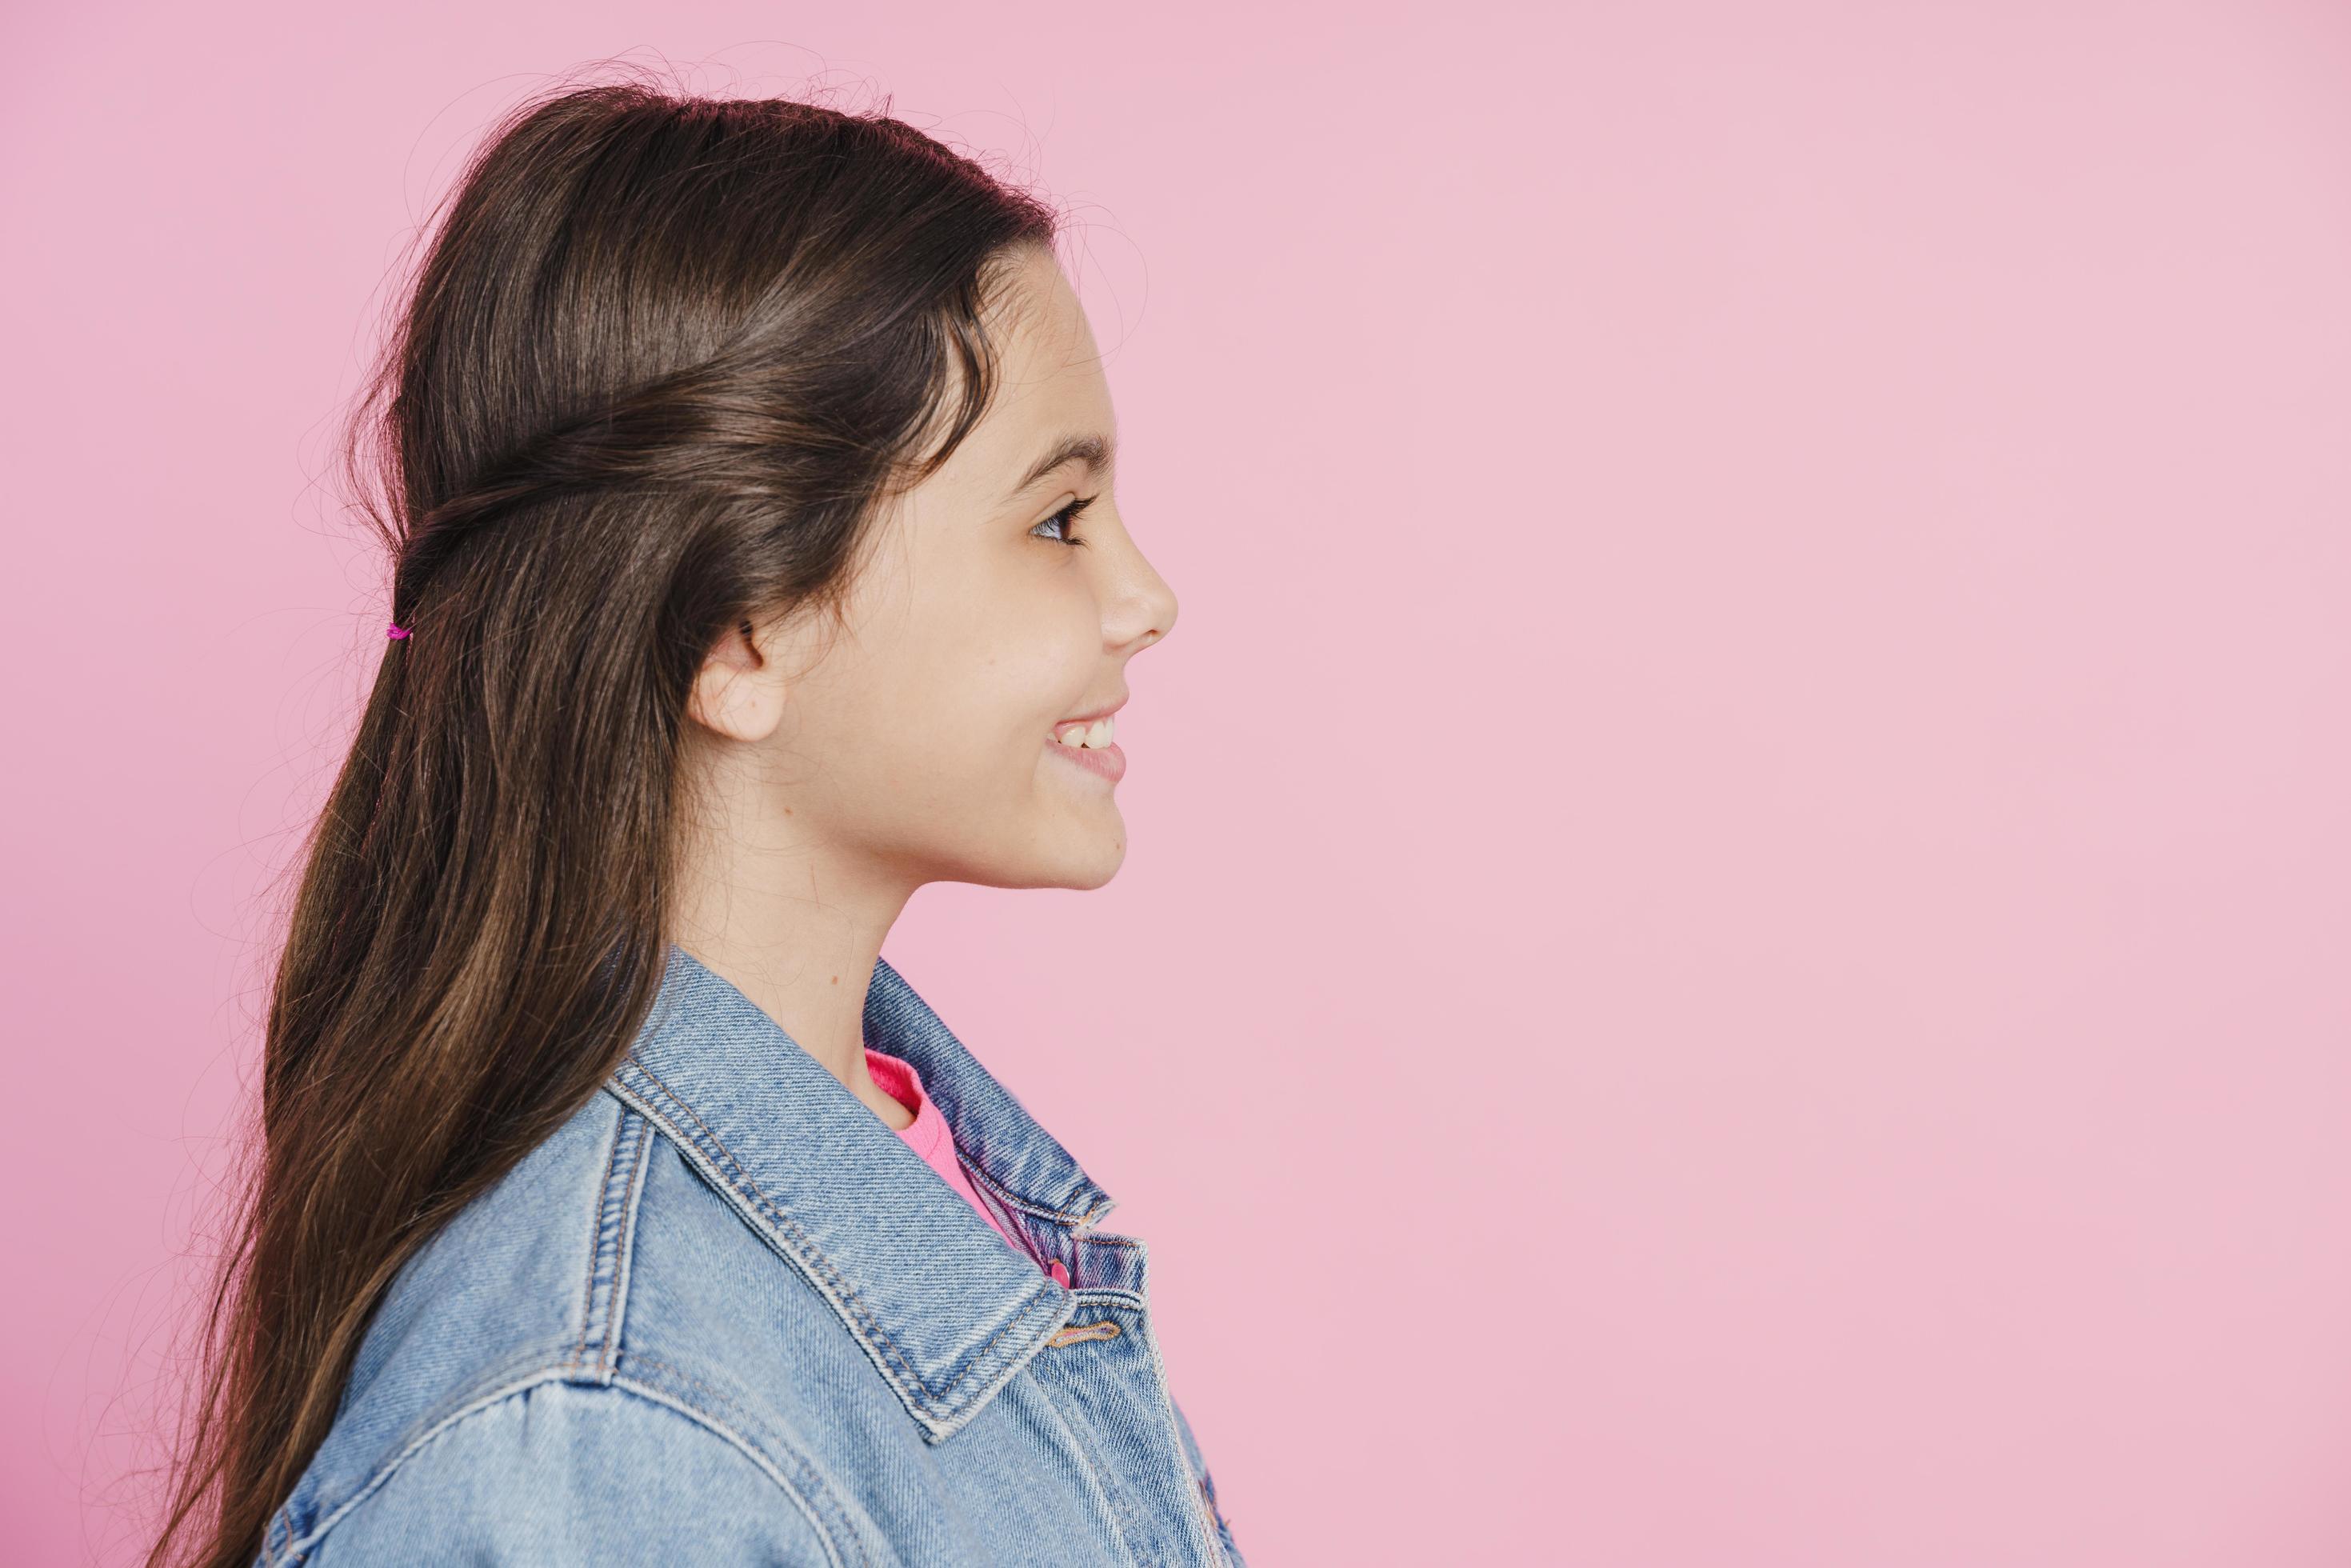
<point x="1735" y="945"/>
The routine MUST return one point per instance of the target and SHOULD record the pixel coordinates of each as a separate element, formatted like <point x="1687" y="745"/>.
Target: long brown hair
<point x="663" y="359"/>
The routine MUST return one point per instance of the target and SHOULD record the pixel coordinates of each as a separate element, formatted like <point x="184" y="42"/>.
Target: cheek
<point x="955" y="734"/>
<point x="1025" y="671"/>
<point x="1014" y="647"/>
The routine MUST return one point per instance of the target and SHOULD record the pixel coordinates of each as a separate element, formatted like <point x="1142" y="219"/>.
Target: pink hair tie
<point x="395" y="633"/>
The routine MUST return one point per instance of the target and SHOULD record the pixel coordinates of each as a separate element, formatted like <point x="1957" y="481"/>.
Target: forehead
<point x="1049" y="388"/>
<point x="1052" y="383"/>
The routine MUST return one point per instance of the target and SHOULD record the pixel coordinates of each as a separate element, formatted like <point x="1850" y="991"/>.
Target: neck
<point x="800" y="941"/>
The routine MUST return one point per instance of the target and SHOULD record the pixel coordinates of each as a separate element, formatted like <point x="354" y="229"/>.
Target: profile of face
<point x="919" y="740"/>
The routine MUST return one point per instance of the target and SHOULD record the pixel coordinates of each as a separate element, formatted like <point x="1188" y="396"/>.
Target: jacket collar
<point x="945" y="1310"/>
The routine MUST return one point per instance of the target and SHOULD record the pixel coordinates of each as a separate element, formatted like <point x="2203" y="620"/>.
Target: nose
<point x="1139" y="608"/>
<point x="1153" y="613"/>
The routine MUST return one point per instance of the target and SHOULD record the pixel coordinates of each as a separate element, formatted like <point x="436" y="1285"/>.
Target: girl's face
<point x="918" y="745"/>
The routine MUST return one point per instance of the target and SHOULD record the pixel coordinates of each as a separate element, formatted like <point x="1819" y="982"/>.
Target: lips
<point x="1109" y="762"/>
<point x="1089" y="716"/>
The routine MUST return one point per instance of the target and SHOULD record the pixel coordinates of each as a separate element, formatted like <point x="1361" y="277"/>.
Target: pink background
<point x="1734" y="945"/>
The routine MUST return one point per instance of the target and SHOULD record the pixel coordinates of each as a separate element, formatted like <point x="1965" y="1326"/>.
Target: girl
<point x="747" y="481"/>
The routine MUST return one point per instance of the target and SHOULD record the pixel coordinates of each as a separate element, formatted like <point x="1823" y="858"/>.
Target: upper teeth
<point x="1092" y="737"/>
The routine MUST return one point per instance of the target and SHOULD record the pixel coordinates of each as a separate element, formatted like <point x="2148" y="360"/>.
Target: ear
<point x="741" y="691"/>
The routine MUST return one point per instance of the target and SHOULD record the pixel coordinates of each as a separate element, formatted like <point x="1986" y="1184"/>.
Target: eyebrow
<point x="1096" y="451"/>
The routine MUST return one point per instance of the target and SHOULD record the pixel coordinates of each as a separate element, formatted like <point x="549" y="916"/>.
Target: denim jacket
<point x="725" y="1314"/>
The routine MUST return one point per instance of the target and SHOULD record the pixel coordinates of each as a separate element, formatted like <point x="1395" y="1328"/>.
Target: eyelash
<point x="1066" y="517"/>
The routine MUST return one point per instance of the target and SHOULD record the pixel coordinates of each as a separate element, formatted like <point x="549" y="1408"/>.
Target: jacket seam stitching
<point x="1165" y="1394"/>
<point x="596" y="1237"/>
<point x="855" y="1302"/>
<point x="624" y="1265"/>
<point x="1043" y="1211"/>
<point x="742" y="1445"/>
<point x="1095" y="1295"/>
<point x="1123" y="1519"/>
<point x="556" y="1366"/>
<point x="769" y="1207"/>
<point x="556" y="1373"/>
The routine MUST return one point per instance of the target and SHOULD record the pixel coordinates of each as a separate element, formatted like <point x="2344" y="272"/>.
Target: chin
<point x="1068" y="854"/>
<point x="1080" y="867"/>
<point x="1108" y="869"/>
<point x="1089" y="867"/>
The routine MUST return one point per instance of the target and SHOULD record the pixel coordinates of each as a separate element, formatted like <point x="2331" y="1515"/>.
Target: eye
<point x="1063" y="519"/>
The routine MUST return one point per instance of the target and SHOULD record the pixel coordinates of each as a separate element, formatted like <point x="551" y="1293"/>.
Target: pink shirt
<point x="929" y="1137"/>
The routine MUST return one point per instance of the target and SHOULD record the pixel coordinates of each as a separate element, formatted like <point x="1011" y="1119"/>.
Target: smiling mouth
<point x="1106" y="760"/>
<point x="1092" y="717"/>
<point x="1101" y="733"/>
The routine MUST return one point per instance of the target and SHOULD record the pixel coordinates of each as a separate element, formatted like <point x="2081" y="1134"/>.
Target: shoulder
<point x="560" y="1472"/>
<point x="574" y="1354"/>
